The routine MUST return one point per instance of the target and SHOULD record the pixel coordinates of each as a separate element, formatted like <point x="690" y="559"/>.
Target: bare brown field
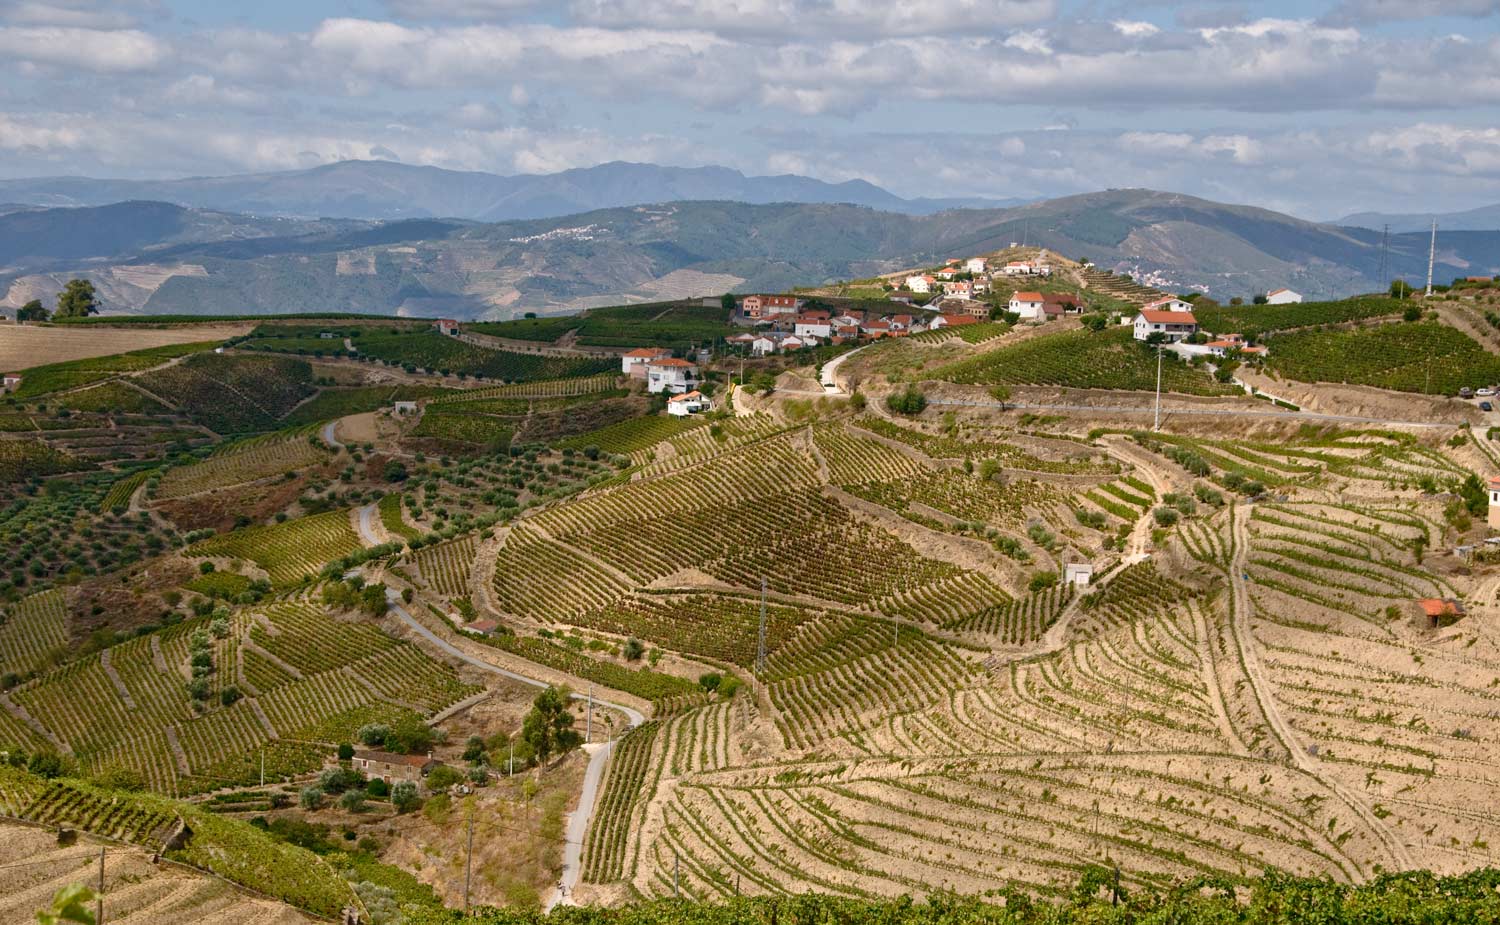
<point x="23" y="346"/>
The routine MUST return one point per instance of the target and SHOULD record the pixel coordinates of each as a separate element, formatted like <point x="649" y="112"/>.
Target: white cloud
<point x="89" y="14"/>
<point x="70" y="48"/>
<point x="798" y="19"/>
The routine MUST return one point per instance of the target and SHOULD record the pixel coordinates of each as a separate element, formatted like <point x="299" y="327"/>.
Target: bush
<point x="353" y="801"/>
<point x="378" y="788"/>
<point x="1041" y="581"/>
<point x="634" y="649"/>
<point x="374" y="734"/>
<point x="909" y="401"/>
<point x="346" y="751"/>
<point x="404" y="796"/>
<point x="1166" y="516"/>
<point x="311" y="798"/>
<point x="711" y="681"/>
<point x="443" y="777"/>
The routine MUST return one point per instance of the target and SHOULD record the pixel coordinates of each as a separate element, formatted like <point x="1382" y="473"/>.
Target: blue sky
<point x="1316" y="108"/>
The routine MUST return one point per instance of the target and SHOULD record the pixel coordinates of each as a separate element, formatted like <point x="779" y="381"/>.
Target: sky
<point x="1317" y="108"/>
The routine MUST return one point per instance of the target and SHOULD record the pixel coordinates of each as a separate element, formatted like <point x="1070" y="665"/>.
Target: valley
<point x="941" y="611"/>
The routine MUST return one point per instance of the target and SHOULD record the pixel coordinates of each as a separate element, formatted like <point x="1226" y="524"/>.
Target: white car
<point x="1485" y="391"/>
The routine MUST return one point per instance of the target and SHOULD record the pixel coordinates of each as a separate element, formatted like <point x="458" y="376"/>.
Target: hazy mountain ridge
<point x="1484" y="218"/>
<point x="389" y="190"/>
<point x="207" y="263"/>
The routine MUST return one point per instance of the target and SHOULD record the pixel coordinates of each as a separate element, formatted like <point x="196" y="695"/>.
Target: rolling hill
<point x="1484" y="218"/>
<point x="389" y="190"/>
<point x="149" y="258"/>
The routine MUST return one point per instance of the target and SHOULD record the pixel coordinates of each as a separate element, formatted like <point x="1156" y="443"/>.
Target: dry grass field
<point x="23" y="346"/>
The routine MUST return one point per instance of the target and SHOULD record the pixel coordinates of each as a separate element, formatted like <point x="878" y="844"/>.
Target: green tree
<point x="77" y="300"/>
<point x="1476" y="499"/>
<point x="32" y="311"/>
<point x="548" y="728"/>
<point x="727" y="301"/>
<point x="1400" y="289"/>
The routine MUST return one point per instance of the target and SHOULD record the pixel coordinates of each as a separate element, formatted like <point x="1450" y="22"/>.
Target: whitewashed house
<point x="1028" y="305"/>
<point x="634" y="362"/>
<point x="813" y="327"/>
<point x="1283" y="297"/>
<point x="1170" y="304"/>
<point x="1175" y="326"/>
<point x="921" y="284"/>
<point x="670" y="375"/>
<point x="688" y="403"/>
<point x="975" y="265"/>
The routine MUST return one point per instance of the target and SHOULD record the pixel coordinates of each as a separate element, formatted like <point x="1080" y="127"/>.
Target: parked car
<point x="1465" y="392"/>
<point x="1486" y="406"/>
<point x="1485" y="391"/>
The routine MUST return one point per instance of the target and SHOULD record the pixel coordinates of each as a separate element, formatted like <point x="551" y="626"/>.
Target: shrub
<point x="311" y="798"/>
<point x="909" y="401"/>
<point x="404" y="796"/>
<point x="1166" y="516"/>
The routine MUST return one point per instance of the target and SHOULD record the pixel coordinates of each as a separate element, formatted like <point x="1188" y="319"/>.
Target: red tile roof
<point x="649" y="352"/>
<point x="671" y="362"/>
<point x="1156" y="317"/>
<point x="1027" y="297"/>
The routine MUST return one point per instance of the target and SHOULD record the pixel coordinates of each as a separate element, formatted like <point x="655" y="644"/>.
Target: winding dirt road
<point x="1240" y="625"/>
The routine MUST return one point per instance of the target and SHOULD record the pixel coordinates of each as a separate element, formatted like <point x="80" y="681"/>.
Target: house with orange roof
<point x="634" y="363"/>
<point x="1028" y="305"/>
<point x="1173" y="325"/>
<point x="670" y="375"/>
<point x="688" y="403"/>
<point x="920" y="284"/>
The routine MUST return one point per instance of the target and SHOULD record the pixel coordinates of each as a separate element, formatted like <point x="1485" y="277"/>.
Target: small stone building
<point x="394" y="767"/>
<point x="1436" y="613"/>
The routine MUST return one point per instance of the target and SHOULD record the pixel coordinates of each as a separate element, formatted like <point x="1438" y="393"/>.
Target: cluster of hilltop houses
<point x="787" y="323"/>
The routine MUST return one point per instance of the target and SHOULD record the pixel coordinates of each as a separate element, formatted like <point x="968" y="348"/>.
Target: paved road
<point x="830" y="384"/>
<point x="329" y="436"/>
<point x="578" y="820"/>
<point x="1171" y="411"/>
<point x="367" y="531"/>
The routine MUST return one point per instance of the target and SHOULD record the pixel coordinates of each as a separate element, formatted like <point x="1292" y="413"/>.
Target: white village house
<point x="634" y="362"/>
<point x="1169" y="304"/>
<point x="1028" y="305"/>
<point x="11" y="381"/>
<point x="921" y="283"/>
<point x="975" y="265"/>
<point x="1174" y="326"/>
<point x="1283" y="297"/>
<point x="670" y="375"/>
<point x="688" y="403"/>
<point x="813" y="327"/>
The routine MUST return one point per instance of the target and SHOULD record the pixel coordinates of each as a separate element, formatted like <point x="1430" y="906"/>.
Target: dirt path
<point x="578" y="820"/>
<point x="330" y="435"/>
<point x="558" y="349"/>
<point x="1241" y="626"/>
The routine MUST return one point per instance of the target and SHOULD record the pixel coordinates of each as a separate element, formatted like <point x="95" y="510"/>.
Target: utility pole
<point x="263" y="767"/>
<point x="588" y="735"/>
<point x="676" y="872"/>
<point x="469" y="858"/>
<point x="1385" y="239"/>
<point x="99" y="899"/>
<point x="760" y="645"/>
<point x="512" y="760"/>
<point x="1431" y="253"/>
<point x="1156" y="424"/>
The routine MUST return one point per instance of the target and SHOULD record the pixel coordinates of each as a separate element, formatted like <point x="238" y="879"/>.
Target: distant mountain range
<point x="1484" y="218"/>
<point x="162" y="258"/>
<point x="389" y="190"/>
